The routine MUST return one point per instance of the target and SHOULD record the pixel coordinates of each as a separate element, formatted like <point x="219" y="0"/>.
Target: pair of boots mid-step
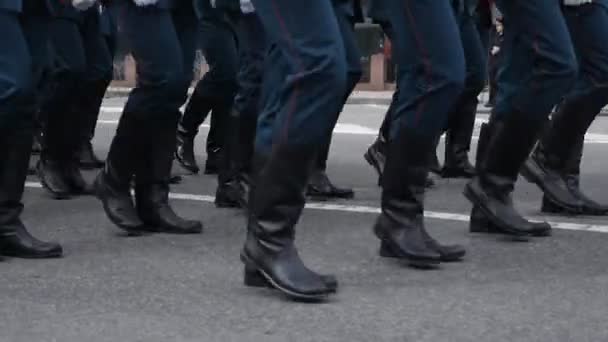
<point x="554" y="166"/>
<point x="149" y="213"/>
<point x="277" y="200"/>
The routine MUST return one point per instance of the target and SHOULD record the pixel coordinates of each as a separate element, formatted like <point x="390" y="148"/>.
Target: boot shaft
<point x="509" y="145"/>
<point x="277" y="194"/>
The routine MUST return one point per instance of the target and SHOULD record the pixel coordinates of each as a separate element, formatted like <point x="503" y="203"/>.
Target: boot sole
<point x="130" y="230"/>
<point x="468" y="193"/>
<point x="532" y="178"/>
<point x="412" y="261"/>
<point x="249" y="262"/>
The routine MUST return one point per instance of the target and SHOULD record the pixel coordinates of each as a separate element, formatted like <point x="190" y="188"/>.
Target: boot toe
<point x="452" y="253"/>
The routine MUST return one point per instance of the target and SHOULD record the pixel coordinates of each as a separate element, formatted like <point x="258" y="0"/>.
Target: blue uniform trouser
<point x="307" y="70"/>
<point x="354" y="70"/>
<point x="61" y="123"/>
<point x="538" y="65"/>
<point x="23" y="58"/>
<point x="252" y="52"/>
<point x="215" y="91"/>
<point x="588" y="26"/>
<point x="163" y="45"/>
<point x="99" y="52"/>
<point x="431" y="63"/>
<point x="461" y="119"/>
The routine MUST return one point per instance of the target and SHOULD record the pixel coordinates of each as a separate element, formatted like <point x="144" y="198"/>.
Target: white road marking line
<point x="373" y="210"/>
<point x="352" y="129"/>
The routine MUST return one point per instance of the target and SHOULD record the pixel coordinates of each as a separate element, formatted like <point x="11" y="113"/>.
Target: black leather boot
<point x="277" y="200"/>
<point x="152" y="180"/>
<point x="52" y="177"/>
<point x="113" y="184"/>
<point x="321" y="187"/>
<point x="572" y="176"/>
<point x="479" y="223"/>
<point x="457" y="163"/>
<point x="503" y="148"/>
<point x="376" y="156"/>
<point x="185" y="150"/>
<point x="87" y="158"/>
<point x="555" y="164"/>
<point x="15" y="240"/>
<point x="546" y="168"/>
<point x="458" y="137"/>
<point x="400" y="226"/>
<point x="231" y="194"/>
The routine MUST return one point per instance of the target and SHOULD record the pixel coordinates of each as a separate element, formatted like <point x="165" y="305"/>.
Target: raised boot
<point x="572" y="174"/>
<point x="51" y="174"/>
<point x="376" y="156"/>
<point x="231" y="192"/>
<point x="185" y="150"/>
<point x="400" y="226"/>
<point x="546" y="166"/>
<point x="15" y="240"/>
<point x="499" y="158"/>
<point x="113" y="184"/>
<point x="277" y="200"/>
<point x="555" y="165"/>
<point x="152" y="180"/>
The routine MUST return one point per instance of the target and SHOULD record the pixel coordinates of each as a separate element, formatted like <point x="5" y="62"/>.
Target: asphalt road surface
<point x="189" y="288"/>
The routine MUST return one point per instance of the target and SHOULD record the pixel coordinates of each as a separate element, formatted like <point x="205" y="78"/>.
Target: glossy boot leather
<point x="503" y="148"/>
<point x="15" y="240"/>
<point x="555" y="164"/>
<point x="185" y="150"/>
<point x="276" y="202"/>
<point x="400" y="226"/>
<point x="376" y="156"/>
<point x="321" y="187"/>
<point x="152" y="180"/>
<point x="113" y="184"/>
<point x="458" y="137"/>
<point x="572" y="175"/>
<point x="546" y="166"/>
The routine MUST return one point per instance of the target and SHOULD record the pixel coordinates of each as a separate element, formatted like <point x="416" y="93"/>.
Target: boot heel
<point x="253" y="278"/>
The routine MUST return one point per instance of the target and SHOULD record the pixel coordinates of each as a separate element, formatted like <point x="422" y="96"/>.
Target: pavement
<point x="109" y="287"/>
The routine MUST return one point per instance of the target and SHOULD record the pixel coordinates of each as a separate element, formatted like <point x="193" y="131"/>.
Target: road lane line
<point x="354" y="129"/>
<point x="443" y="216"/>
